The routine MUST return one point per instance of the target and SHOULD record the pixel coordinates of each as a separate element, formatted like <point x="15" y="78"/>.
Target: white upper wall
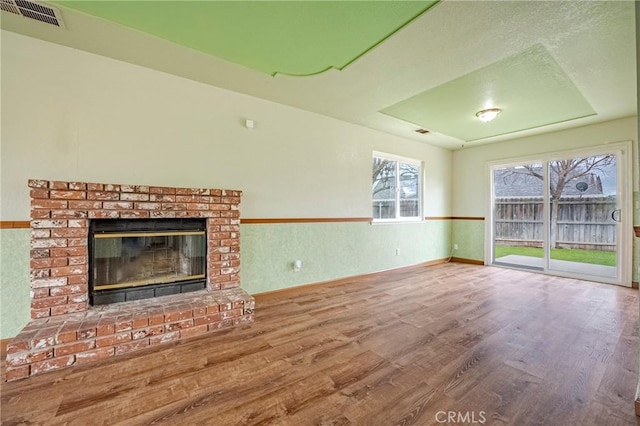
<point x="72" y="115"/>
<point x="470" y="176"/>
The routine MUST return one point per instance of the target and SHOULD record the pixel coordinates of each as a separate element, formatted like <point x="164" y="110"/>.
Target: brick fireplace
<point x="65" y="330"/>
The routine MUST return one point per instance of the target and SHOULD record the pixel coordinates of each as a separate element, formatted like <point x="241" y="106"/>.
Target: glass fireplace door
<point x="137" y="259"/>
<point x="133" y="259"/>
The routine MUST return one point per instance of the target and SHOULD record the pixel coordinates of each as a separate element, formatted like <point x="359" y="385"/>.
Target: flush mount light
<point x="487" y="115"/>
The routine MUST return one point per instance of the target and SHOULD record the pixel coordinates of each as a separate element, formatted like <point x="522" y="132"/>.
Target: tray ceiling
<point x="530" y="88"/>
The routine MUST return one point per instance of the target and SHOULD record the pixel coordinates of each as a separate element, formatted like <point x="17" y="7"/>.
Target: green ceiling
<point x="288" y="37"/>
<point x="531" y="89"/>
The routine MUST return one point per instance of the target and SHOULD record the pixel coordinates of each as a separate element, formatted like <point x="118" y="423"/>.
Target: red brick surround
<point x="65" y="330"/>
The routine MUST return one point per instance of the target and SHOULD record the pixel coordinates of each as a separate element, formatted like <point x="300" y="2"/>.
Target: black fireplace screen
<point x="139" y="259"/>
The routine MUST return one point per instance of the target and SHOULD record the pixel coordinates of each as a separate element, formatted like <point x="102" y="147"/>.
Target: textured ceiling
<point x="276" y="37"/>
<point x="530" y="88"/>
<point x="590" y="45"/>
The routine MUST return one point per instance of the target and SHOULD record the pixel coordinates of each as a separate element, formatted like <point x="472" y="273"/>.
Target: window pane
<point x="518" y="215"/>
<point x="409" y="190"/>
<point x="384" y="188"/>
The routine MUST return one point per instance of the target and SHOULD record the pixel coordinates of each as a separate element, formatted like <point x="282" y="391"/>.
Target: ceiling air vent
<point x="33" y="10"/>
<point x="422" y="131"/>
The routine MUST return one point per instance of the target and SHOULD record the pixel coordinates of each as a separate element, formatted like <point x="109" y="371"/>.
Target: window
<point x="396" y="187"/>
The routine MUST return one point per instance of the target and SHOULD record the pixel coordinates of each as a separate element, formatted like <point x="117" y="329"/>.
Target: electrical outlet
<point x="397" y="252"/>
<point x="455" y="246"/>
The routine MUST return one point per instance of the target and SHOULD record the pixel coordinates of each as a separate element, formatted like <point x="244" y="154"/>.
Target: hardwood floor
<point x="447" y="344"/>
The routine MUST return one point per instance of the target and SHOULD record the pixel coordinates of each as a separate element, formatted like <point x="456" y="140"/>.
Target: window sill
<point x="396" y="221"/>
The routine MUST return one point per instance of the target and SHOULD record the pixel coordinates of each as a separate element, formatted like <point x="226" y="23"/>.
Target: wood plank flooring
<point x="446" y="344"/>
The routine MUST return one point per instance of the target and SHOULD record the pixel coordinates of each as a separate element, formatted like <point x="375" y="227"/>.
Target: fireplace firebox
<point x="133" y="259"/>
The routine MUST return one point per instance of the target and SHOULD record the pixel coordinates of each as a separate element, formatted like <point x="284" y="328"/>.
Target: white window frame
<point x="411" y="161"/>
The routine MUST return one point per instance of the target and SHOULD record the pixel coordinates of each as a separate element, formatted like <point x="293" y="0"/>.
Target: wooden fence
<point x="386" y="208"/>
<point x="582" y="223"/>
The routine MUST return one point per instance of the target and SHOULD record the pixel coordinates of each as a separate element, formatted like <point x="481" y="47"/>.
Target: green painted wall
<point x="469" y="235"/>
<point x="334" y="250"/>
<point x="14" y="281"/>
<point x="327" y="250"/>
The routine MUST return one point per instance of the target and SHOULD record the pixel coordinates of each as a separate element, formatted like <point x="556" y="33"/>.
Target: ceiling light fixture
<point x="487" y="115"/>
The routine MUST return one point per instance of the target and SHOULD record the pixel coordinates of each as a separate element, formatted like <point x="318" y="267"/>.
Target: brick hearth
<point x="65" y="330"/>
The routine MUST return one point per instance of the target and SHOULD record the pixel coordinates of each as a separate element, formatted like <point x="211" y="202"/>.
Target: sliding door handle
<point x="615" y="215"/>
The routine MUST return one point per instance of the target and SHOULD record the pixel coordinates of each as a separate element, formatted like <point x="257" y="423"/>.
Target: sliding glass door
<point x="563" y="214"/>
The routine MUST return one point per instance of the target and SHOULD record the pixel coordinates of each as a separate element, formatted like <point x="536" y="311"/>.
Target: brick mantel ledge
<point x="109" y="330"/>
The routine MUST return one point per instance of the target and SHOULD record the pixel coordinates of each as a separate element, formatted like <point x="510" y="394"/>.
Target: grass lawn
<point x="607" y="258"/>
